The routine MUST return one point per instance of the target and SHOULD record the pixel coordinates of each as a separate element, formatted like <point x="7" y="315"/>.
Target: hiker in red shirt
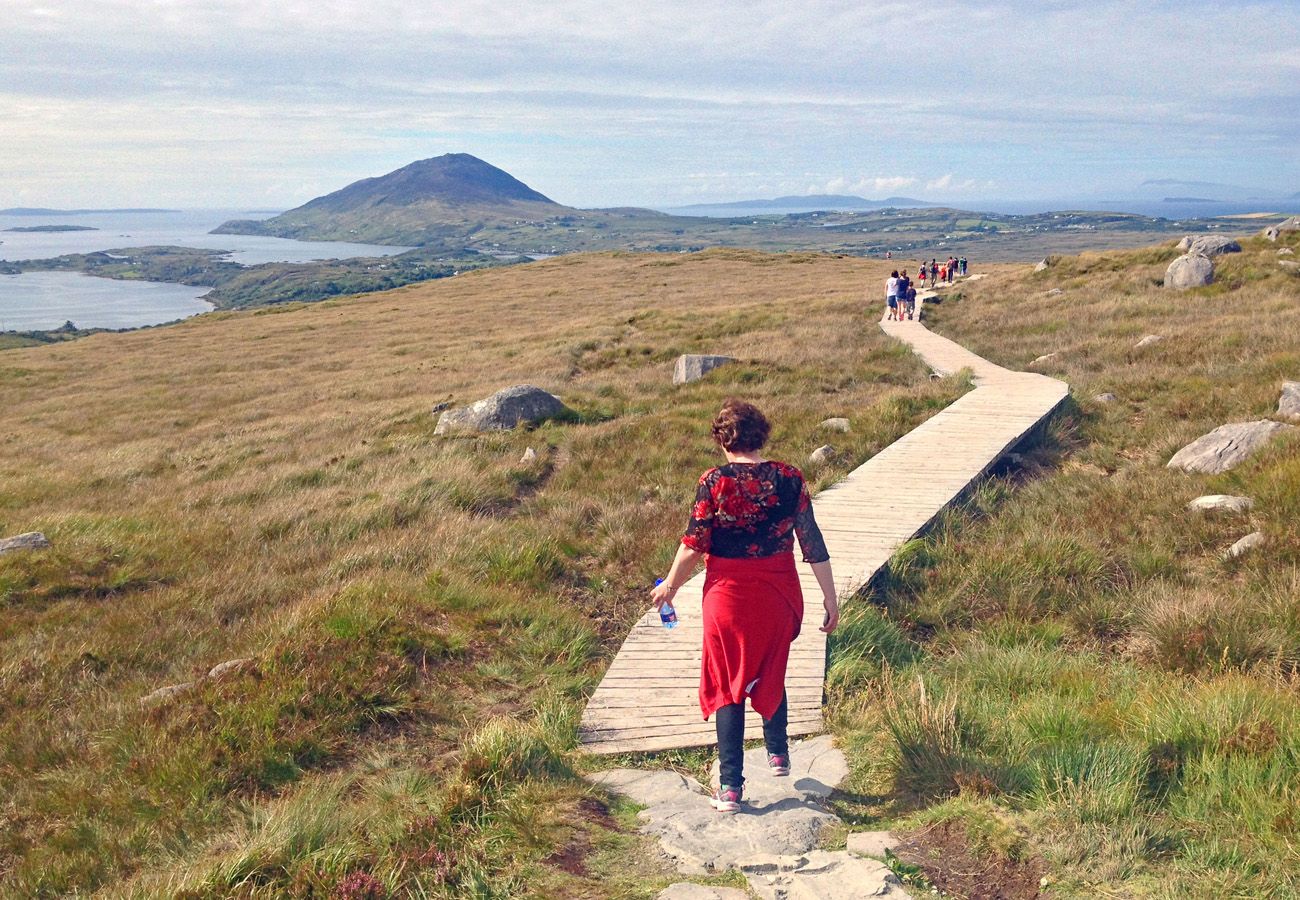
<point x="746" y="516"/>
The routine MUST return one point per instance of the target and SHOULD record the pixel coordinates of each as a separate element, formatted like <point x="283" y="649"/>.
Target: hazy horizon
<point x="231" y="103"/>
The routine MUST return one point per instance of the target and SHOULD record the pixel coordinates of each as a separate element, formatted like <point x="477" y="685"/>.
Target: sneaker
<point x="778" y="764"/>
<point x="726" y="799"/>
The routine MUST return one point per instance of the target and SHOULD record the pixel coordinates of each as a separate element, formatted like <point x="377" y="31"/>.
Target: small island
<point x="52" y="228"/>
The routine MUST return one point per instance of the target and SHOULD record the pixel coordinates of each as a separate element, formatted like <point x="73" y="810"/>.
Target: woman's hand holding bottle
<point x="832" y="606"/>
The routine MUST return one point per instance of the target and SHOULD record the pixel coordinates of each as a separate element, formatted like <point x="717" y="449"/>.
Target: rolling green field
<point x="1064" y="678"/>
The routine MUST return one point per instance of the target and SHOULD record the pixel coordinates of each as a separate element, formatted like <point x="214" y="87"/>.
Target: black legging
<point x="730" y="721"/>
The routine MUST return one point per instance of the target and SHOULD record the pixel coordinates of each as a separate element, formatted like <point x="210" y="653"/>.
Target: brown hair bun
<point x="740" y="427"/>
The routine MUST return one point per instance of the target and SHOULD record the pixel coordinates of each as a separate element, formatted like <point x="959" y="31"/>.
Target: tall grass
<point x="423" y="614"/>
<point x="1087" y="672"/>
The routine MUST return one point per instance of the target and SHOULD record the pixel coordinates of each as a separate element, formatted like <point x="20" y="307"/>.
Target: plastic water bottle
<point x="667" y="614"/>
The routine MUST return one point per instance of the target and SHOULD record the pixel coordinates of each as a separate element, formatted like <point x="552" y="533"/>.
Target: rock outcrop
<point x="1275" y="231"/>
<point x="1288" y="405"/>
<point x="1250" y="542"/>
<point x="823" y="455"/>
<point x="1107" y="397"/>
<point x="166" y="693"/>
<point x="772" y="840"/>
<point x="1190" y="271"/>
<point x="32" y="540"/>
<point x="230" y="667"/>
<point x="508" y="408"/>
<point x="1221" y="503"/>
<point x="1226" y="446"/>
<point x="836" y="424"/>
<point x="694" y="366"/>
<point x="1209" y="244"/>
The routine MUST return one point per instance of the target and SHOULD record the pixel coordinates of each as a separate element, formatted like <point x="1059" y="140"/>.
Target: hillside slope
<point x="423" y="615"/>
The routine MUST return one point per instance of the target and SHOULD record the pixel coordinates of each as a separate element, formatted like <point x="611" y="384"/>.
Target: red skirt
<point x="752" y="611"/>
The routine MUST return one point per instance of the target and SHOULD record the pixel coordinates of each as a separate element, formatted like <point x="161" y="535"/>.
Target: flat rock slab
<point x="694" y="366"/>
<point x="1226" y="446"/>
<point x="871" y="843"/>
<point x="1221" y="503"/>
<point x="1288" y="405"/>
<point x="686" y="890"/>
<point x="780" y="817"/>
<point x="32" y="540"/>
<point x="1148" y="341"/>
<point x="507" y="408"/>
<point x="823" y="875"/>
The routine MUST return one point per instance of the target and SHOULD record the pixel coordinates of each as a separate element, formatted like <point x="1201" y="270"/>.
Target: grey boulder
<point x="1148" y="341"/>
<point x="1250" y="542"/>
<point x="1221" y="503"/>
<point x="1275" y="231"/>
<point x="1209" y="244"/>
<point x="1107" y="397"/>
<point x="694" y="366"/>
<point x="836" y="424"/>
<point x="508" y="408"/>
<point x="823" y="455"/>
<point x="32" y="540"/>
<point x="1288" y="405"/>
<point x="1190" y="271"/>
<point x="1225" y="447"/>
<point x="1043" y="264"/>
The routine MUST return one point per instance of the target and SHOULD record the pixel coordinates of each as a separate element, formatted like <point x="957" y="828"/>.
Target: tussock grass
<point x="1089" y="678"/>
<point x="424" y="614"/>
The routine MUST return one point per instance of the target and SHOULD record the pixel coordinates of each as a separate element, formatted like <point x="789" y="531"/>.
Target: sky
<point x="255" y="104"/>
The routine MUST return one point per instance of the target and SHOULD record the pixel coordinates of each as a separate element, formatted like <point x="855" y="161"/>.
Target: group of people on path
<point x="900" y="293"/>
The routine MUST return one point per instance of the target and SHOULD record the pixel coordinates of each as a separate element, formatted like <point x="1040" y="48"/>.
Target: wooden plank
<point x="648" y="699"/>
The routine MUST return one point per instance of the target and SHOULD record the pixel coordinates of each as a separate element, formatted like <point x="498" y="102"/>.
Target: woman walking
<point x="744" y="521"/>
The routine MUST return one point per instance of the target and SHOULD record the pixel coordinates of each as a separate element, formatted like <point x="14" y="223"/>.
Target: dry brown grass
<point x="267" y="485"/>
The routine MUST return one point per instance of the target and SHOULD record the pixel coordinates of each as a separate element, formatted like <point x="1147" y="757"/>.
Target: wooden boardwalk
<point x="648" y="699"/>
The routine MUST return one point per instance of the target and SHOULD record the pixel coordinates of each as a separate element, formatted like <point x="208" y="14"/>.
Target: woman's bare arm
<point x="830" y="602"/>
<point x="683" y="565"/>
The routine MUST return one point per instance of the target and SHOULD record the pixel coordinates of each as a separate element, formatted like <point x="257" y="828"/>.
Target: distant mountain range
<point x="827" y="202"/>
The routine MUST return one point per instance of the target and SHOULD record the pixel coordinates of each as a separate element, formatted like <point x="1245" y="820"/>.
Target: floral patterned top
<point x="749" y="510"/>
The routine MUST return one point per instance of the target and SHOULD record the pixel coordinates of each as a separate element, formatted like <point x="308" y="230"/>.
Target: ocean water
<point x="44" y="300"/>
<point x="185" y="228"/>
<point x="40" y="301"/>
<point x="1174" y="210"/>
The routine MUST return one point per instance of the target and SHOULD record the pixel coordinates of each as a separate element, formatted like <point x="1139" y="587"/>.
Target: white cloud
<point x="604" y="102"/>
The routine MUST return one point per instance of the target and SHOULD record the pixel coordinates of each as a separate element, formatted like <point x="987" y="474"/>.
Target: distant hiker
<point x="744" y="521"/>
<point x="943" y="273"/>
<point x="961" y="265"/>
<point x="904" y="285"/>
<point x="889" y="254"/>
<point x="920" y="274"/>
<point x="891" y="294"/>
<point x="911" y="301"/>
<point x="934" y="273"/>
